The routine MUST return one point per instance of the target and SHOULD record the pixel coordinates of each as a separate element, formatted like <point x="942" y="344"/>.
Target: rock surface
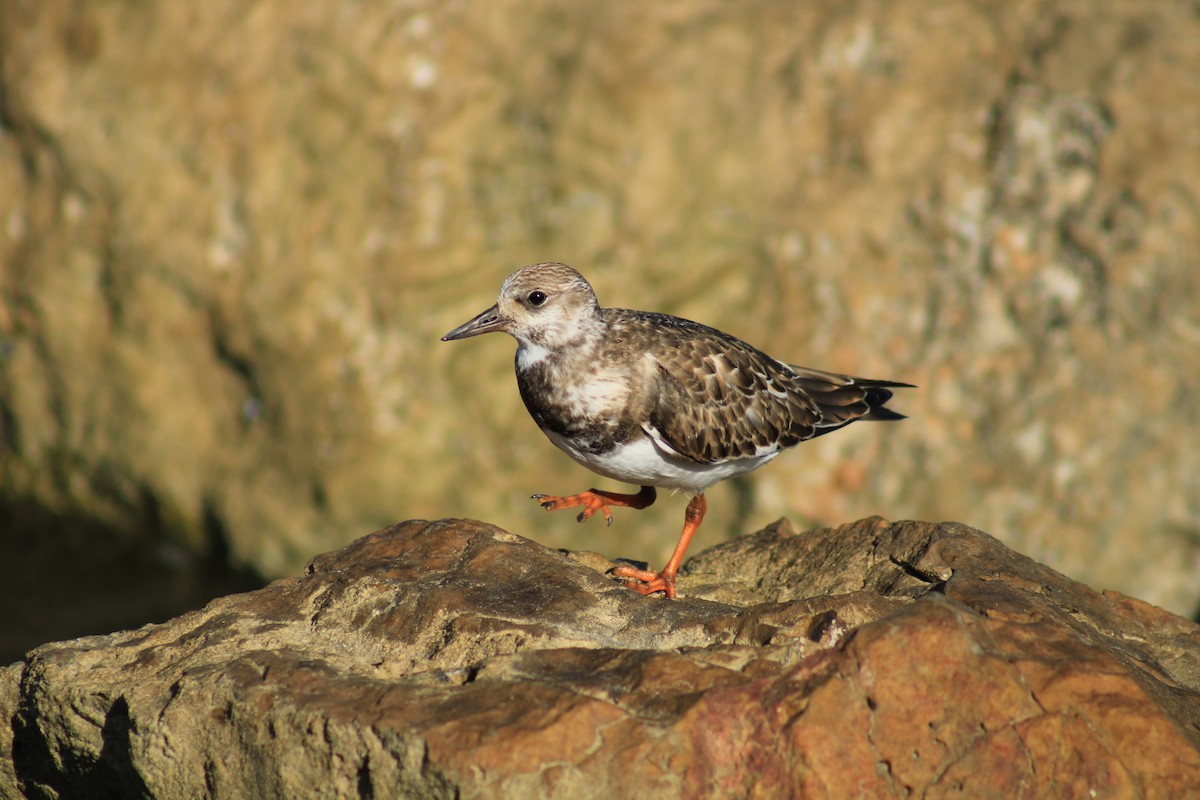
<point x="451" y="658"/>
<point x="230" y="236"/>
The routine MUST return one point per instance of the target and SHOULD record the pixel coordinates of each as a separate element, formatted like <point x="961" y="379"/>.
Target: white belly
<point x="644" y="462"/>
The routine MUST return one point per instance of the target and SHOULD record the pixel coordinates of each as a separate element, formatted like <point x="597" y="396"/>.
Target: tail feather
<point x="844" y="399"/>
<point x="877" y="396"/>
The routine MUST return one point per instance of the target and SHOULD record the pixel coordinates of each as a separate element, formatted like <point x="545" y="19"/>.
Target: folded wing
<point x="719" y="399"/>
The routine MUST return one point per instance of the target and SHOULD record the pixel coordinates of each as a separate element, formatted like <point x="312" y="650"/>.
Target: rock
<point x="452" y="658"/>
<point x="222" y="278"/>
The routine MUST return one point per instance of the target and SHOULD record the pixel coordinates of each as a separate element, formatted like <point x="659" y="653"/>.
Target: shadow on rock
<point x="77" y="576"/>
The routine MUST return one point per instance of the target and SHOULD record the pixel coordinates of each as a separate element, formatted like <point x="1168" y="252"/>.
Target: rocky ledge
<point x="451" y="658"/>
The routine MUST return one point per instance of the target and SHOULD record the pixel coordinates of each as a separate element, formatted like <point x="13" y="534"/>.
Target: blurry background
<point x="231" y="234"/>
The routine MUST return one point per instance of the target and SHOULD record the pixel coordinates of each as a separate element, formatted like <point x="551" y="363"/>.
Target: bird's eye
<point x="537" y="297"/>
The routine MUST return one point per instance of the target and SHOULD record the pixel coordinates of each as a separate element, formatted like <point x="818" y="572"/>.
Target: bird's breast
<point x="589" y="409"/>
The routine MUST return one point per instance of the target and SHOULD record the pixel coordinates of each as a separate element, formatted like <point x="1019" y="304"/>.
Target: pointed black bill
<point x="486" y="322"/>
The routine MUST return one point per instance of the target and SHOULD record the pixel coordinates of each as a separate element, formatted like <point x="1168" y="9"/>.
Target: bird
<point x="658" y="401"/>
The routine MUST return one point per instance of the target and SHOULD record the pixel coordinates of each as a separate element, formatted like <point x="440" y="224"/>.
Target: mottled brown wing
<point x="716" y="398"/>
<point x="719" y="399"/>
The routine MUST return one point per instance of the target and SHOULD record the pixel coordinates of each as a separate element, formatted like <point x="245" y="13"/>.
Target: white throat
<point x="530" y="354"/>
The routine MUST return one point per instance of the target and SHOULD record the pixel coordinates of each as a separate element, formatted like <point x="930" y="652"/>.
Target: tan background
<point x="231" y="234"/>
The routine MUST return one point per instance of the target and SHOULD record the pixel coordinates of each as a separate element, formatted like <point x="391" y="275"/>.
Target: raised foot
<point x="594" y="500"/>
<point x="645" y="582"/>
<point x="591" y="504"/>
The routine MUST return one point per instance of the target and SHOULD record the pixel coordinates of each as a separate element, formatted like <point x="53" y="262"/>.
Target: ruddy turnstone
<point x="656" y="400"/>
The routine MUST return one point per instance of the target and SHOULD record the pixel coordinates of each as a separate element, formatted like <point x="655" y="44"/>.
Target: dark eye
<point x="537" y="297"/>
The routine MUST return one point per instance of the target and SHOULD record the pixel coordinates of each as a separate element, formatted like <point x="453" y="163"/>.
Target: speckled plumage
<point x="656" y="400"/>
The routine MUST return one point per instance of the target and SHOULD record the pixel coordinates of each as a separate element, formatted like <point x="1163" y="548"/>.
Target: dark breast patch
<point x="550" y="410"/>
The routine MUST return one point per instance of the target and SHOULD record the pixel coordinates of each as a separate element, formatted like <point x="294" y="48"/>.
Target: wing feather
<point x="711" y="397"/>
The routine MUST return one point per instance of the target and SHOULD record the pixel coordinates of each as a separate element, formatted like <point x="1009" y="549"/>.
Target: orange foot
<point x="644" y="582"/>
<point x="594" y="500"/>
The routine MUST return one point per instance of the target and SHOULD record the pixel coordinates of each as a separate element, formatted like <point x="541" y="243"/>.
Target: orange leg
<point x="651" y="582"/>
<point x="594" y="500"/>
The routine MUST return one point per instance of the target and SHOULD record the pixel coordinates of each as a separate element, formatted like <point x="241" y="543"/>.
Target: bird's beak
<point x="486" y="322"/>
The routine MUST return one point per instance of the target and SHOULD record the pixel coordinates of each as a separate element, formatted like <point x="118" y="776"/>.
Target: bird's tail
<point x="845" y="398"/>
<point x="877" y="394"/>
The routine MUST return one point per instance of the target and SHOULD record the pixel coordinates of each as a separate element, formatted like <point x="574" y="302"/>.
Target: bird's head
<point x="542" y="305"/>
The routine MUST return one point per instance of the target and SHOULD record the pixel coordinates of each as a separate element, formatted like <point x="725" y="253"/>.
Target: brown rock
<point x="224" y="266"/>
<point x="451" y="658"/>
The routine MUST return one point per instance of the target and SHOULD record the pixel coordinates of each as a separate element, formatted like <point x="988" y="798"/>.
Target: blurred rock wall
<point x="231" y="234"/>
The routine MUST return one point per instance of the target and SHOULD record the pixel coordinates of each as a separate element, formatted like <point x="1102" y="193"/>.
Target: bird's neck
<point x="560" y="346"/>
